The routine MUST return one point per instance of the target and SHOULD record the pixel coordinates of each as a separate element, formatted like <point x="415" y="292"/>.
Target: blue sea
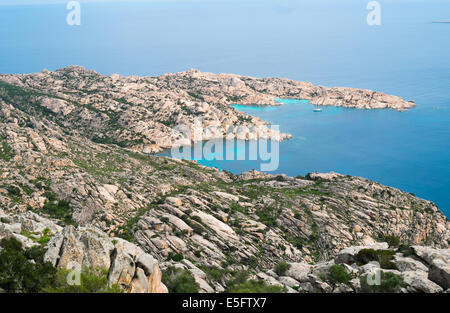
<point x="325" y="42"/>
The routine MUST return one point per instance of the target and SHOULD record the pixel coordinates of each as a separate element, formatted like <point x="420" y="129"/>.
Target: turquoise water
<point x="402" y="149"/>
<point x="326" y="42"/>
<point x="407" y="150"/>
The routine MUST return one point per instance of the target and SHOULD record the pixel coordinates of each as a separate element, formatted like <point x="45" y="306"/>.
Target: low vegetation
<point x="254" y="286"/>
<point x="383" y="257"/>
<point x="240" y="283"/>
<point x="179" y="281"/>
<point x="91" y="281"/>
<point x="389" y="283"/>
<point x="24" y="271"/>
<point x="57" y="208"/>
<point x="338" y="274"/>
<point x="393" y="241"/>
<point x="281" y="268"/>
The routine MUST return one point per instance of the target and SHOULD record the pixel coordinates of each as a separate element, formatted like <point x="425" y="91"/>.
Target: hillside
<point x="71" y="149"/>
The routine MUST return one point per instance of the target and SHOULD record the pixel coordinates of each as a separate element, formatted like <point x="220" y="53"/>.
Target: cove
<point x="405" y="150"/>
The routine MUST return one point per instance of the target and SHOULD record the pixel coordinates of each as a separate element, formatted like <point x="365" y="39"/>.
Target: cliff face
<point x="70" y="148"/>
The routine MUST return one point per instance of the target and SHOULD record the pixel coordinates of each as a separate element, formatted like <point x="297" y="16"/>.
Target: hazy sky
<point x="22" y="2"/>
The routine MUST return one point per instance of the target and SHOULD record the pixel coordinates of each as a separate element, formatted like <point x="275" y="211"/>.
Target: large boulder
<point x="440" y="273"/>
<point x="439" y="263"/>
<point x="409" y="264"/>
<point x="299" y="271"/>
<point x="418" y="281"/>
<point x="127" y="265"/>
<point x="429" y="254"/>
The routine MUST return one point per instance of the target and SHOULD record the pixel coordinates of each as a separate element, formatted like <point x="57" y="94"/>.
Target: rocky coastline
<point x="76" y="159"/>
<point x="141" y="113"/>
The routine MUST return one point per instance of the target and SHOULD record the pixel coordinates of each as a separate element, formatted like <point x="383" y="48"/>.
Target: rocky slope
<point x="416" y="269"/>
<point x="412" y="268"/>
<point x="141" y="112"/>
<point x="71" y="149"/>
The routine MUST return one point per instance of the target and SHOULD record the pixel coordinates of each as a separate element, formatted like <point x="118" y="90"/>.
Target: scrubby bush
<point x="91" y="281"/>
<point x="59" y="209"/>
<point x="254" y="286"/>
<point x="179" y="281"/>
<point x="6" y="153"/>
<point x="393" y="241"/>
<point x="384" y="257"/>
<point x="215" y="274"/>
<point x="175" y="257"/>
<point x="338" y="274"/>
<point x="24" y="271"/>
<point x="198" y="229"/>
<point x="406" y="250"/>
<point x="281" y="268"/>
<point x="268" y="215"/>
<point x="13" y="191"/>
<point x="240" y="283"/>
<point x="389" y="283"/>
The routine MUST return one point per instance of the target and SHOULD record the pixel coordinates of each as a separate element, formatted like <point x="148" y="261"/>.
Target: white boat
<point x="317" y="110"/>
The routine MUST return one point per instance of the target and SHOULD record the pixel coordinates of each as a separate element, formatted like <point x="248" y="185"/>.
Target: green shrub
<point x="91" y="281"/>
<point x="24" y="271"/>
<point x="198" y="229"/>
<point x="384" y="257"/>
<point x="393" y="241"/>
<point x="175" y="257"/>
<point x="179" y="281"/>
<point x="254" y="286"/>
<point x="43" y="240"/>
<point x="282" y="267"/>
<point x="338" y="274"/>
<point x="239" y="283"/>
<point x="389" y="283"/>
<point x="268" y="215"/>
<point x="59" y="209"/>
<point x="406" y="250"/>
<point x="13" y="191"/>
<point x="238" y="277"/>
<point x="215" y="273"/>
<point x="6" y="153"/>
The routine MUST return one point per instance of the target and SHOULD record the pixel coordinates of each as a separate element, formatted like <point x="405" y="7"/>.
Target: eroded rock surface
<point x="415" y="274"/>
<point x="79" y="248"/>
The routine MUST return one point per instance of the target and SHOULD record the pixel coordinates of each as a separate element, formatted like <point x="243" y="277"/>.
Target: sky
<point x="28" y="2"/>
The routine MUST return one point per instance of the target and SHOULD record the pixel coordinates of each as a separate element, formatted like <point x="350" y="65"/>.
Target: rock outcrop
<point x="415" y="272"/>
<point x="142" y="112"/>
<point x="79" y="248"/>
<point x="74" y="148"/>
